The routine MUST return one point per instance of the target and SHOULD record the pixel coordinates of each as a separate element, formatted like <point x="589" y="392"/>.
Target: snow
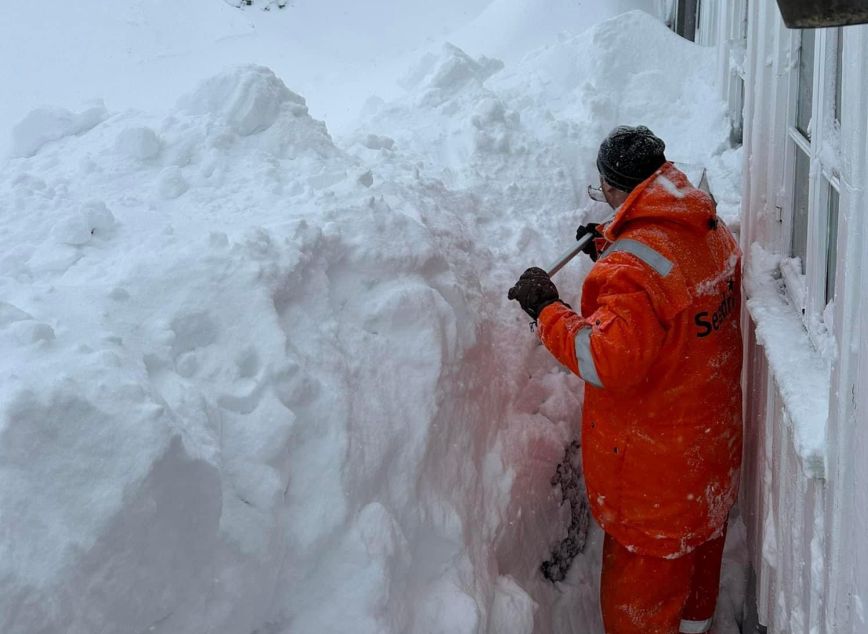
<point x="262" y="377"/>
<point x="502" y="27"/>
<point x="803" y="376"/>
<point x="146" y="53"/>
<point x="44" y="125"/>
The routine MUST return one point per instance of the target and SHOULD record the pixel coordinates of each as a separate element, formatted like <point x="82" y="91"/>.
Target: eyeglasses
<point x="596" y="193"/>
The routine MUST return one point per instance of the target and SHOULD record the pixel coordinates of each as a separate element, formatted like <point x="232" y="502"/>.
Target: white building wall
<point x="847" y="512"/>
<point x="807" y="515"/>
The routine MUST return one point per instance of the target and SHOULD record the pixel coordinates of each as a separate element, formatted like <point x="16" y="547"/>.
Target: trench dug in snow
<point x="262" y="380"/>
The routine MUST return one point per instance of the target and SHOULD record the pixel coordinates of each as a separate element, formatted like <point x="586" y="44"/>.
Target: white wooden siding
<point x="808" y="536"/>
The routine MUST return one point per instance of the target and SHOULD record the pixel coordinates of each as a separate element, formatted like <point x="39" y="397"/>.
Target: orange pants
<point x="651" y="595"/>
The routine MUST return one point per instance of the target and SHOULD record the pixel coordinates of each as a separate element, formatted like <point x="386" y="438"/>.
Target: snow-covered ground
<point x="259" y="377"/>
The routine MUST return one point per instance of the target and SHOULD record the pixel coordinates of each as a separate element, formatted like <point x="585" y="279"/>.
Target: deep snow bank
<point x="257" y="381"/>
<point x="232" y="354"/>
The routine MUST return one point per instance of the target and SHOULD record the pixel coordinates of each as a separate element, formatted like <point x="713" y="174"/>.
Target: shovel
<point x="595" y="193"/>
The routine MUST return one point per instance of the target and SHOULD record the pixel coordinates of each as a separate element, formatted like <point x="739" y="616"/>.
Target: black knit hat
<point x="629" y="155"/>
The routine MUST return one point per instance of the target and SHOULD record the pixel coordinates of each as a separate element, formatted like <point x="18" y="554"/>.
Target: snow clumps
<point x="247" y="99"/>
<point x="44" y="125"/>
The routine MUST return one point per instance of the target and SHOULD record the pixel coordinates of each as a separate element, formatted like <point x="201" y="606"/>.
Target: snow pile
<point x="44" y="125"/>
<point x="508" y="29"/>
<point x="230" y="368"/>
<point x="137" y="54"/>
<point x="257" y="380"/>
<point x="803" y="376"/>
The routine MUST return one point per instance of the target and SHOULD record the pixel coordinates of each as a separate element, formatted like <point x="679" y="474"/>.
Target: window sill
<point x="801" y="374"/>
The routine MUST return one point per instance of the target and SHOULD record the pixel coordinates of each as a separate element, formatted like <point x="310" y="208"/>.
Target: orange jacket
<point x="659" y="349"/>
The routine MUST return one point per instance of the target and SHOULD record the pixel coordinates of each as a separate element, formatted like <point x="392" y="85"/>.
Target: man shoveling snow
<point x="658" y="343"/>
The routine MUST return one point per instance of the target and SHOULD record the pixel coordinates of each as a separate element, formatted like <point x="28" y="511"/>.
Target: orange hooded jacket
<point x="659" y="349"/>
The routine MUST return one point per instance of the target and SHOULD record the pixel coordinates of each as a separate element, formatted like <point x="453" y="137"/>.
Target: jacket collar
<point x="664" y="197"/>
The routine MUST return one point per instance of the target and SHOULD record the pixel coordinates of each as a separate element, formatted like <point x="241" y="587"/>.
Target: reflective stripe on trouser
<point x="653" y="595"/>
<point x="695" y="627"/>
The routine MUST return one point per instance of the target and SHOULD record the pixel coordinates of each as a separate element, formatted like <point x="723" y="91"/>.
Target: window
<point x="801" y="141"/>
<point x="839" y="65"/>
<point x="686" y="12"/>
<point x="832" y="243"/>
<point x="724" y="26"/>
<point x="738" y="48"/>
<point x="801" y="200"/>
<point x="806" y="82"/>
<point x="813" y="181"/>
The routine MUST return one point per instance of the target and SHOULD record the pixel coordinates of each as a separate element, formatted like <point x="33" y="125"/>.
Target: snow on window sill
<point x="801" y="374"/>
<point x="819" y="326"/>
<point x="794" y="282"/>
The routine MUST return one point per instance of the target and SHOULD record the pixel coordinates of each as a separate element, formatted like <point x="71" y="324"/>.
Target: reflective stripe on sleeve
<point x="645" y="253"/>
<point x="695" y="627"/>
<point x="585" y="359"/>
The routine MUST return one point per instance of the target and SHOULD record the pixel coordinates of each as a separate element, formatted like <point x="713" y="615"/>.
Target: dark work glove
<point x="534" y="291"/>
<point x="591" y="247"/>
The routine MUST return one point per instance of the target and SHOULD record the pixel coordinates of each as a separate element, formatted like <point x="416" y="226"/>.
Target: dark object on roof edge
<point x="808" y="14"/>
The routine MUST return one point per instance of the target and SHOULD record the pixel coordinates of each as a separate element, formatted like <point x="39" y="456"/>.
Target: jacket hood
<point x="664" y="197"/>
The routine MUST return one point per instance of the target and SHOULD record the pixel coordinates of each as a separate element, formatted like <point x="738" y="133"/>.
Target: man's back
<point x="670" y="404"/>
<point x="658" y="344"/>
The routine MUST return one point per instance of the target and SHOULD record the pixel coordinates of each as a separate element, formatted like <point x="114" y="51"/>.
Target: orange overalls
<point x="658" y="344"/>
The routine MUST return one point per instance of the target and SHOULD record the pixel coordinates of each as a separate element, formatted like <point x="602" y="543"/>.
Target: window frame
<point x="808" y="291"/>
<point x="736" y="93"/>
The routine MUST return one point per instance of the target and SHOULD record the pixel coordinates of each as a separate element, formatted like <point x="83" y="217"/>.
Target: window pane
<point x="832" y="244"/>
<point x="839" y="62"/>
<point x="736" y="114"/>
<point x="806" y="82"/>
<point x="800" y="207"/>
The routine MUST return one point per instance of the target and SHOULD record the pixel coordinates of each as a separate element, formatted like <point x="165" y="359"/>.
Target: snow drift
<point x="257" y="380"/>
